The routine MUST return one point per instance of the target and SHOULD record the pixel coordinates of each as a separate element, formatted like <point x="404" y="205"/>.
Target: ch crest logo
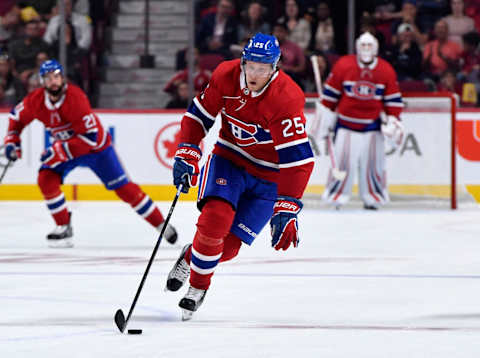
<point x="243" y="132"/>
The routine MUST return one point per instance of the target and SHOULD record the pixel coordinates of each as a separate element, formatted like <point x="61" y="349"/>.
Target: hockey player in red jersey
<point x="360" y="91"/>
<point x="79" y="139"/>
<point x="257" y="172"/>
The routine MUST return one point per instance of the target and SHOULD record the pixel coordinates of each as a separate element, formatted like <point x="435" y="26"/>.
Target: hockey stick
<point x="336" y="172"/>
<point x="119" y="316"/>
<point x="5" y="170"/>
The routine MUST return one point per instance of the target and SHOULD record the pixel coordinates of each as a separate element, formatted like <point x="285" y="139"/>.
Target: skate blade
<point x="60" y="244"/>
<point x="186" y="315"/>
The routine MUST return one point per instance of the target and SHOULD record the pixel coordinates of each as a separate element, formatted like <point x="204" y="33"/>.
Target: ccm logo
<point x="189" y="152"/>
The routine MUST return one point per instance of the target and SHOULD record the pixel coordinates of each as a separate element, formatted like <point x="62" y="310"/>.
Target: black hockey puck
<point x="134" y="331"/>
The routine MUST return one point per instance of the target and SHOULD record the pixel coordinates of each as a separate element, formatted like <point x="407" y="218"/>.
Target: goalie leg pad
<point x="49" y="184"/>
<point x="372" y="171"/>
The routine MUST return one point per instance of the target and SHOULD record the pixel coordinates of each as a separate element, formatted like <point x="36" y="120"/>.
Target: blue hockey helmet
<point x="50" y="66"/>
<point x="262" y="48"/>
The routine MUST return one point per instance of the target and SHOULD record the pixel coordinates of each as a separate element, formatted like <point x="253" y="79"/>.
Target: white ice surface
<point x="383" y="284"/>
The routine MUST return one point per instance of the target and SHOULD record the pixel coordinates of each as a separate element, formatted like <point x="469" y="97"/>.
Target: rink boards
<point x="146" y="141"/>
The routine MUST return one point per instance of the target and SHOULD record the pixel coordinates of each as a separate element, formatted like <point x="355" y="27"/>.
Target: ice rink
<point x="393" y="283"/>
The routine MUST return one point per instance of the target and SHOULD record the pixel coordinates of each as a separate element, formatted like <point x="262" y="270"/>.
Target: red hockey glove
<point x="284" y="227"/>
<point x="185" y="168"/>
<point x="55" y="155"/>
<point x="13" y="149"/>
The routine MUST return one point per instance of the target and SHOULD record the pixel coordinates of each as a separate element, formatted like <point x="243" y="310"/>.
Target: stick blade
<point x="120" y="320"/>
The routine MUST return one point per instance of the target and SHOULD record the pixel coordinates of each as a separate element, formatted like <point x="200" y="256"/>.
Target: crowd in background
<point x="432" y="44"/>
<point x="29" y="35"/>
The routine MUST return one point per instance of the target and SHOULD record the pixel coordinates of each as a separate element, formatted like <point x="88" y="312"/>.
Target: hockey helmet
<point x="50" y="66"/>
<point x="262" y="48"/>
<point x="367" y="47"/>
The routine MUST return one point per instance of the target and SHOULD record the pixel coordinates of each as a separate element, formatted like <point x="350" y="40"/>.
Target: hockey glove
<point x="393" y="130"/>
<point x="328" y="121"/>
<point x="13" y="149"/>
<point x="55" y="155"/>
<point x="284" y="226"/>
<point x="185" y="168"/>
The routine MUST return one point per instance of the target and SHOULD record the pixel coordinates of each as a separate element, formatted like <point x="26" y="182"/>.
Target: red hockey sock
<point x="231" y="246"/>
<point x="141" y="203"/>
<point x="49" y="183"/>
<point x="213" y="225"/>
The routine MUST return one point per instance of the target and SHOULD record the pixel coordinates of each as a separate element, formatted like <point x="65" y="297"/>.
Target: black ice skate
<point x="370" y="207"/>
<point x="170" y="233"/>
<point x="191" y="302"/>
<point x="179" y="273"/>
<point x="61" y="236"/>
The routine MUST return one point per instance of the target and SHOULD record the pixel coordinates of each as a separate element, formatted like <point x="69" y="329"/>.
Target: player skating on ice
<point x="79" y="140"/>
<point x="357" y="91"/>
<point x="257" y="172"/>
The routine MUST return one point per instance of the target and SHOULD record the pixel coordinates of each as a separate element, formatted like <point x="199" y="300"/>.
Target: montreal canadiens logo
<point x="166" y="143"/>
<point x="364" y="90"/>
<point x="221" y="181"/>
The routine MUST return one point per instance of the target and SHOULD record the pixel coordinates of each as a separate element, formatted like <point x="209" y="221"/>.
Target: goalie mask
<point x="367" y="48"/>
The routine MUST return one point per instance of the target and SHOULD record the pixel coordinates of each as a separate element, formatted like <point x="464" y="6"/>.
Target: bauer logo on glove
<point x="185" y="168"/>
<point x="284" y="225"/>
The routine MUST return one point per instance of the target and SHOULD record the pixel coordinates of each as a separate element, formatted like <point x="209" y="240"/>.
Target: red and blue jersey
<point x="358" y="93"/>
<point x="261" y="132"/>
<point x="70" y="120"/>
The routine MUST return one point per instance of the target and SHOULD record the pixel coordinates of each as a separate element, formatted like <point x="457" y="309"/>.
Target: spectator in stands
<point x="470" y="58"/>
<point x="8" y="23"/>
<point x="429" y="12"/>
<point x="200" y="78"/>
<point x="81" y="28"/>
<point x="472" y="10"/>
<point x="75" y="54"/>
<point x="33" y="82"/>
<point x="440" y="54"/>
<point x="217" y="31"/>
<point x="405" y="56"/>
<point x="180" y="98"/>
<point x="298" y="28"/>
<point x="448" y="83"/>
<point x="384" y="13"/>
<point x="293" y="59"/>
<point x="323" y="33"/>
<point x="252" y="21"/>
<point x="23" y="51"/>
<point x="458" y="23"/>
<point x="324" y="66"/>
<point x="9" y="85"/>
<point x="409" y="16"/>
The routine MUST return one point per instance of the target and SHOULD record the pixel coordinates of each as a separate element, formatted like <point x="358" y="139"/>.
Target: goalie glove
<point x="283" y="224"/>
<point x="393" y="130"/>
<point x="185" y="168"/>
<point x="13" y="148"/>
<point x="55" y="155"/>
<point x="328" y="120"/>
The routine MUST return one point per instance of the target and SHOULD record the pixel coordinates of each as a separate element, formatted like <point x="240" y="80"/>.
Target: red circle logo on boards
<point x="166" y="143"/>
